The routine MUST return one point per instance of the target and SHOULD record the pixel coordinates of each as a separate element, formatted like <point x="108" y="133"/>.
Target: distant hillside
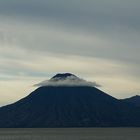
<point x="135" y="100"/>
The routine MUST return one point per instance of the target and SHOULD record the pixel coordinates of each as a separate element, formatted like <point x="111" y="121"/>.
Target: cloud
<point x="78" y="12"/>
<point x="69" y="81"/>
<point x="114" y="42"/>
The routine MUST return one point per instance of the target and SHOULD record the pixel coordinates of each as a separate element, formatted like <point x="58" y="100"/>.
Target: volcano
<point x="56" y="104"/>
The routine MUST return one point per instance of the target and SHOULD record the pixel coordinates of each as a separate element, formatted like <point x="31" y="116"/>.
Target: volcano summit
<point x="67" y="79"/>
<point x="68" y="101"/>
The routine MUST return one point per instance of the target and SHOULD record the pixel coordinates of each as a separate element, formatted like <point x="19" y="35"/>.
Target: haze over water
<point x="71" y="134"/>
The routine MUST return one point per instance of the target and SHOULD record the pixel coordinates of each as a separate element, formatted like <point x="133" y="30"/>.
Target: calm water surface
<point x="71" y="134"/>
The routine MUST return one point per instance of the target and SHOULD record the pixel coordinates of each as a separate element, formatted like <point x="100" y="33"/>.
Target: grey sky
<point x="96" y="39"/>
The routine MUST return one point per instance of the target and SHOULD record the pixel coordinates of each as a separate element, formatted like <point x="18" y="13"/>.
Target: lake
<point x="70" y="134"/>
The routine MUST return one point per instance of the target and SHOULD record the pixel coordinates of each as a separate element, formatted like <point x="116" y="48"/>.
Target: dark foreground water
<point x="71" y="134"/>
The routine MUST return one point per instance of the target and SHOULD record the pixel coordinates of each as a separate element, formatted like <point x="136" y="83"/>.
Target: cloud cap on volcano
<point x="67" y="79"/>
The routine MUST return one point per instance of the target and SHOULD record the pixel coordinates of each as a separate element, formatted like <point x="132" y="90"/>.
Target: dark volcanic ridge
<point x="135" y="100"/>
<point x="69" y="106"/>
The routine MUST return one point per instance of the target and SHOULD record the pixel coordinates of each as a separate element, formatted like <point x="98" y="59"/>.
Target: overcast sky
<point x="97" y="40"/>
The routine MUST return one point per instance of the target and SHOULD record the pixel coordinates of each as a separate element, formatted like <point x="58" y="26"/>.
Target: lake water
<point x="71" y="134"/>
